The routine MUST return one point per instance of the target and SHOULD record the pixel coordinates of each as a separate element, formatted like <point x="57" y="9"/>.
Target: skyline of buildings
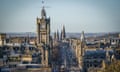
<point x="58" y="53"/>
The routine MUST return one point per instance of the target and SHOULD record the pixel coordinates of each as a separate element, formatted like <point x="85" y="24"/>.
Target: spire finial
<point x="43" y="3"/>
<point x="43" y="13"/>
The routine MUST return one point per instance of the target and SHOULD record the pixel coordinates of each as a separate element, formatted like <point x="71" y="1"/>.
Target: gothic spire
<point x="82" y="37"/>
<point x="57" y="35"/>
<point x="63" y="33"/>
<point x="43" y="12"/>
<point x="54" y="35"/>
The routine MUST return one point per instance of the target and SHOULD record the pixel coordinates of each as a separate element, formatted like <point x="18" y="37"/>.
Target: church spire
<point x="63" y="33"/>
<point x="82" y="37"/>
<point x="57" y="35"/>
<point x="43" y="12"/>
<point x="54" y="35"/>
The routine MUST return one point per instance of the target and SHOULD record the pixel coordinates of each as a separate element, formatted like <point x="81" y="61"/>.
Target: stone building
<point x="2" y="39"/>
<point x="90" y="57"/>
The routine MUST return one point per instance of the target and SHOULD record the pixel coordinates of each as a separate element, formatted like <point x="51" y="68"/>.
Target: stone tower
<point x="43" y="36"/>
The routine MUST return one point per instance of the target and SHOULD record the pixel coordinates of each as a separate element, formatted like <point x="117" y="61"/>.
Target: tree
<point x="113" y="67"/>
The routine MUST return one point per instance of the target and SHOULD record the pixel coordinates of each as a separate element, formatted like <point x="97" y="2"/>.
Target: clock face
<point x="42" y="26"/>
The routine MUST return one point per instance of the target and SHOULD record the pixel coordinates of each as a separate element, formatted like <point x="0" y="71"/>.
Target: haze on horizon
<point x="76" y="15"/>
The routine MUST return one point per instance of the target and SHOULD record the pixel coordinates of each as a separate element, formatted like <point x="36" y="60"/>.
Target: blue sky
<point x="76" y="15"/>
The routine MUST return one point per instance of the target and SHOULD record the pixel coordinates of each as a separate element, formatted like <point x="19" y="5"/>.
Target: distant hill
<point x="69" y="35"/>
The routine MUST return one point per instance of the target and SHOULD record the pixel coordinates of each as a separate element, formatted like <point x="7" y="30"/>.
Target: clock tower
<point x="43" y="28"/>
<point x="43" y="37"/>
